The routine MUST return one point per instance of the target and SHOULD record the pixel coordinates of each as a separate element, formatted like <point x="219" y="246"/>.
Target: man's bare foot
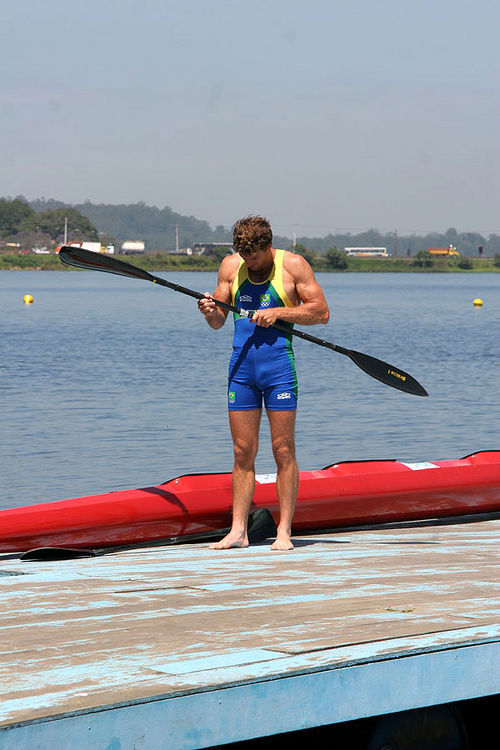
<point x="232" y="539"/>
<point x="282" y="542"/>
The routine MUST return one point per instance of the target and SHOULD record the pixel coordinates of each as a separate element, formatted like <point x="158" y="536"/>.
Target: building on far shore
<point x="443" y="251"/>
<point x="136" y="247"/>
<point x="200" y="248"/>
<point x="366" y="252"/>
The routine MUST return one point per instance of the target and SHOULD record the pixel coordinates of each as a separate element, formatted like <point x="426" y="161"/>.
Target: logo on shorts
<point x="232" y="397"/>
<point x="265" y="299"/>
<point x="284" y="395"/>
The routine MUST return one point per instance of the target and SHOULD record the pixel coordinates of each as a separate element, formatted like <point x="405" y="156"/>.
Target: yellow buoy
<point x="478" y="302"/>
<point x="27" y="299"/>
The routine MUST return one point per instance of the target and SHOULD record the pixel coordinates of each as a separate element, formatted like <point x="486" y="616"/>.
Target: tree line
<point x="24" y="226"/>
<point x="162" y="229"/>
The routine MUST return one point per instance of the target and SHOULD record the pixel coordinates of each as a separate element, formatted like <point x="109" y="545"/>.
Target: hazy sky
<point x="323" y="115"/>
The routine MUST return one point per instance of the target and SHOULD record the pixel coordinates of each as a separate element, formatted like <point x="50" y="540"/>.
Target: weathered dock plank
<point x="188" y="644"/>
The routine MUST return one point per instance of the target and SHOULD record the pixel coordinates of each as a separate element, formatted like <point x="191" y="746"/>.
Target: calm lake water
<point x="109" y="383"/>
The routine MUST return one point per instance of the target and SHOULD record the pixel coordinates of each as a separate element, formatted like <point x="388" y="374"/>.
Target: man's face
<point x="256" y="258"/>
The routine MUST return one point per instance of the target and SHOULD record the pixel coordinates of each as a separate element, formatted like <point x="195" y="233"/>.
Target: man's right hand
<point x="206" y="305"/>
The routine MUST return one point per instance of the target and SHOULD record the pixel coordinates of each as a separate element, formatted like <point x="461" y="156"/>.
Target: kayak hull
<point x="343" y="494"/>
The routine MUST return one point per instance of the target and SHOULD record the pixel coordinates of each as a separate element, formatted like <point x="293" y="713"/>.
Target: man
<point x="278" y="285"/>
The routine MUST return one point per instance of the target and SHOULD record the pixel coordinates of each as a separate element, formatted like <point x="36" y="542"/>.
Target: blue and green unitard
<point x="262" y="362"/>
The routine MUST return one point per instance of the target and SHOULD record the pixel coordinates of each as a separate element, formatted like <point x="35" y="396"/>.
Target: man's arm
<point x="313" y="307"/>
<point x="216" y="316"/>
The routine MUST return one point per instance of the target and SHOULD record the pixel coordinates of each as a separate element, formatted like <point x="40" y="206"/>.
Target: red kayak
<point x="344" y="494"/>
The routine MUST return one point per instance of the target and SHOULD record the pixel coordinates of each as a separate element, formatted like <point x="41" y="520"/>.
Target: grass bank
<point x="150" y="262"/>
<point x="164" y="262"/>
<point x="409" y="265"/>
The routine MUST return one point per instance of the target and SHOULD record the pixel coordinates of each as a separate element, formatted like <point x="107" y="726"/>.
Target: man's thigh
<point x="245" y="427"/>
<point x="282" y="424"/>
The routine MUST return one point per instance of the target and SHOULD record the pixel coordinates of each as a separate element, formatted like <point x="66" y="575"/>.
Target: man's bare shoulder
<point x="296" y="265"/>
<point x="229" y="266"/>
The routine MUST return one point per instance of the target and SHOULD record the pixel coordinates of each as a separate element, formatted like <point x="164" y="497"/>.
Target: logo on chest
<point x="265" y="300"/>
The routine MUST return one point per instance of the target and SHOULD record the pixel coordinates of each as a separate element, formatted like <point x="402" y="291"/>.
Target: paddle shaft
<point x="376" y="368"/>
<point x="224" y="305"/>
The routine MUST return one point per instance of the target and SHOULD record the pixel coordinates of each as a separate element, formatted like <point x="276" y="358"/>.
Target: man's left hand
<point x="267" y="317"/>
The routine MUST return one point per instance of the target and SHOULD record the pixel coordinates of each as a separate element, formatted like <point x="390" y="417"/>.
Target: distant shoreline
<point x="163" y="262"/>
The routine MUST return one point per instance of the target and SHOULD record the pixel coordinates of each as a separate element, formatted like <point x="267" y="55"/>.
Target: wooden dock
<point x="186" y="647"/>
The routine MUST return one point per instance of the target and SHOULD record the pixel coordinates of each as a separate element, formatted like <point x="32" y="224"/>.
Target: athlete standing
<point x="278" y="285"/>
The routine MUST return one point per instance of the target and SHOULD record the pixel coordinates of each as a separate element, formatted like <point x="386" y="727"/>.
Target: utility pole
<point x="65" y="230"/>
<point x="396" y="243"/>
<point x="176" y="238"/>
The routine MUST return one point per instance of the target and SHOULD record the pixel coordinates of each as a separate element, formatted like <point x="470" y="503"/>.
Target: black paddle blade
<point x="387" y="374"/>
<point x="81" y="258"/>
<point x="261" y="525"/>
<point x="56" y="553"/>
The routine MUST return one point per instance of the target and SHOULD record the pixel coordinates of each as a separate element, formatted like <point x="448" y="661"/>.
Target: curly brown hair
<point x="252" y="233"/>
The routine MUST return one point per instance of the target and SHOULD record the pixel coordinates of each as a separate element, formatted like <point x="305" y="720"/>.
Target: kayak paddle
<point x="382" y="371"/>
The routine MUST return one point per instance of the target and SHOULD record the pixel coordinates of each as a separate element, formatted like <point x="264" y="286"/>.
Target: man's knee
<point x="284" y="450"/>
<point x="245" y="450"/>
